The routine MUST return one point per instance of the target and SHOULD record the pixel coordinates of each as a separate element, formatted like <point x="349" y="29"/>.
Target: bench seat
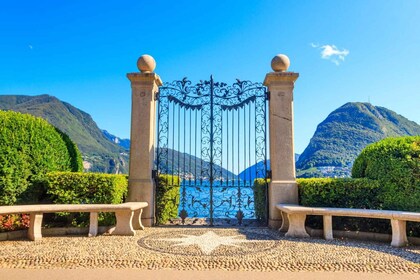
<point x="294" y="217"/>
<point x="128" y="215"/>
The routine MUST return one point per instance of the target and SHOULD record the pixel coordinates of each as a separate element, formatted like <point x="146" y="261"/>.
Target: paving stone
<point x="203" y="248"/>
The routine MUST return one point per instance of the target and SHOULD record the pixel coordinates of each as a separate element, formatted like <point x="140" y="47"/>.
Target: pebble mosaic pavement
<point x="234" y="249"/>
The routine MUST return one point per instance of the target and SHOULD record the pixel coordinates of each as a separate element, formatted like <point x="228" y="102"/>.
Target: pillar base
<point x="148" y="222"/>
<point x="142" y="191"/>
<point x="280" y="192"/>
<point x="275" y="224"/>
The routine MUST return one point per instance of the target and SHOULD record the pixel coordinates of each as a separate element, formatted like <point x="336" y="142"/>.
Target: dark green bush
<point x="29" y="148"/>
<point x="360" y="193"/>
<point x="345" y="193"/>
<point x="167" y="198"/>
<point x="260" y="199"/>
<point x="86" y="188"/>
<point x="395" y="163"/>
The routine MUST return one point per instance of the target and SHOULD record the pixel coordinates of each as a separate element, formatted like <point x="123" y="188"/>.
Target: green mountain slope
<point x="185" y="165"/>
<point x="340" y="138"/>
<point x="98" y="152"/>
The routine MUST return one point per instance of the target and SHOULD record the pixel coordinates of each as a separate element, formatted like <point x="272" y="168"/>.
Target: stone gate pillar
<point x="144" y="86"/>
<point x="283" y="186"/>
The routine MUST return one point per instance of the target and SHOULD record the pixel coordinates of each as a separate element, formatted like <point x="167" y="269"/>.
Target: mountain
<point x="99" y="154"/>
<point x="124" y="143"/>
<point x="250" y="173"/>
<point x="254" y="171"/>
<point x="340" y="138"/>
<point x="189" y="166"/>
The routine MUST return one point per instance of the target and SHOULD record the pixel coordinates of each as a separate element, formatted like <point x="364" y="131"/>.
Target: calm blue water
<point x="228" y="198"/>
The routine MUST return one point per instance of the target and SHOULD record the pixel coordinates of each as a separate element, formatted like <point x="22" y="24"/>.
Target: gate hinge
<point x="154" y="174"/>
<point x="268" y="175"/>
<point x="267" y="95"/>
<point x="157" y="95"/>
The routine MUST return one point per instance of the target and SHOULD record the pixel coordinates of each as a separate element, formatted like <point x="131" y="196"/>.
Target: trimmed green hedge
<point x="167" y="198"/>
<point x="29" y="148"/>
<point x="86" y="188"/>
<point x="395" y="163"/>
<point x="260" y="199"/>
<point x="347" y="193"/>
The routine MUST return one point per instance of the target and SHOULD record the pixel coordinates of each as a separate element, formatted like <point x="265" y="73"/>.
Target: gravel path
<point x="250" y="249"/>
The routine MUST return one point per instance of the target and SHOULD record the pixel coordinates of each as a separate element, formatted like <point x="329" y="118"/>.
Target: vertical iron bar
<point x="220" y="176"/>
<point x="190" y="156"/>
<point x="167" y="136"/>
<point x="211" y="150"/>
<point x="266" y="102"/>
<point x="227" y="146"/>
<point x="255" y="139"/>
<point x="249" y="143"/>
<point x="158" y="136"/>
<point x="256" y="146"/>
<point x="233" y="147"/>
<point x="179" y="140"/>
<point x="239" y="143"/>
<point x="184" y="140"/>
<point x="184" y="184"/>
<point x="173" y="143"/>
<point x="195" y="149"/>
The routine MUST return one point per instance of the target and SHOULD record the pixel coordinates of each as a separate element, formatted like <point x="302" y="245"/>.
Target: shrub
<point x="360" y="193"/>
<point x="167" y="198"/>
<point x="395" y="163"/>
<point x="14" y="222"/>
<point x="29" y="148"/>
<point x="345" y="193"/>
<point x="260" y="199"/>
<point x="87" y="188"/>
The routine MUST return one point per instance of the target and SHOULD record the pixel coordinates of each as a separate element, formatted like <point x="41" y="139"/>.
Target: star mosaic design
<point x="207" y="242"/>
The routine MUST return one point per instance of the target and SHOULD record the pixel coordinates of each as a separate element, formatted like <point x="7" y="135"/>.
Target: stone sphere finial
<point x="280" y="63"/>
<point x="146" y="63"/>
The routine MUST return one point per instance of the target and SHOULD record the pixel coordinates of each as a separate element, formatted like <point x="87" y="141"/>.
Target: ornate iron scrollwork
<point x="207" y="132"/>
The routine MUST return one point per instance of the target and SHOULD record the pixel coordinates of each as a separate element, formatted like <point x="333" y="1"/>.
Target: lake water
<point x="228" y="199"/>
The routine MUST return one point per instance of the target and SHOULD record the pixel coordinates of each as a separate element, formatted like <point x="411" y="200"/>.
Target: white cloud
<point x="332" y="53"/>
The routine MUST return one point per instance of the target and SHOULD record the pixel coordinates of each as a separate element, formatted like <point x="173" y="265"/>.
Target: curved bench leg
<point x="124" y="224"/>
<point x="399" y="233"/>
<point x="297" y="226"/>
<point x="34" y="231"/>
<point x="284" y="222"/>
<point x="93" y="224"/>
<point x="137" y="219"/>
<point x="328" y="232"/>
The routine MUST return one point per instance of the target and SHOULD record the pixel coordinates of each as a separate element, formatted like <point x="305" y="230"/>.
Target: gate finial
<point x="146" y="63"/>
<point x="280" y="63"/>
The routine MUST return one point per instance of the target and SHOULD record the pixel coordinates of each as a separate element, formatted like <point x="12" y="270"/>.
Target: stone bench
<point x="128" y="215"/>
<point x="294" y="223"/>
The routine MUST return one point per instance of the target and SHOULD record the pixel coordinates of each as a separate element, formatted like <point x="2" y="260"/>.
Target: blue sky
<point x="80" y="51"/>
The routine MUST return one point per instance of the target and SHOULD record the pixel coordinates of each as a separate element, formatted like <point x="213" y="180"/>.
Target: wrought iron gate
<point x="213" y="136"/>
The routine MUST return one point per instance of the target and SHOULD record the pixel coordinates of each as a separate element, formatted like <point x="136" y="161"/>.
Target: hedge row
<point x="86" y="188"/>
<point x="347" y="193"/>
<point x="167" y="198"/>
<point x="260" y="199"/>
